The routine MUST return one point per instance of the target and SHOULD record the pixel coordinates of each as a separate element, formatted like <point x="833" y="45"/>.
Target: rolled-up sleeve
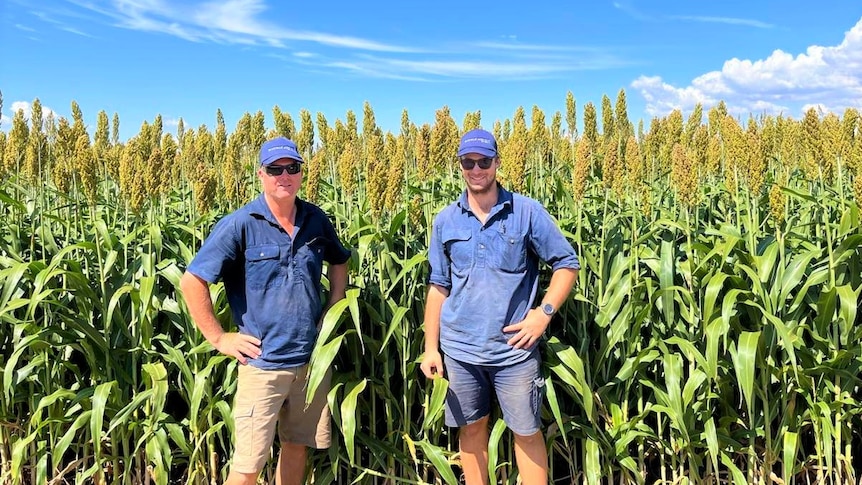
<point x="441" y="273"/>
<point x="549" y="243"/>
<point x="218" y="251"/>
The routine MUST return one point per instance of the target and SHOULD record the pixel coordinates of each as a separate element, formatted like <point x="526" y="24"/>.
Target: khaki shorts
<point x="264" y="397"/>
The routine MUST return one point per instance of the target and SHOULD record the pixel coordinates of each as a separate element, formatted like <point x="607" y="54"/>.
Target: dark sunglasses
<point x="276" y="170"/>
<point x="484" y="163"/>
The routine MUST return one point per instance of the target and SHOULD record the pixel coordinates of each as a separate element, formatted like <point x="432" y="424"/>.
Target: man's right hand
<point x="238" y="345"/>
<point x="432" y="365"/>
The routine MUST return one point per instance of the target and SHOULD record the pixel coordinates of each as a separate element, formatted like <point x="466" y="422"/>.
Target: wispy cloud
<point x="247" y="22"/>
<point x="627" y="8"/>
<point x="492" y="65"/>
<point x="514" y="46"/>
<point x="228" y="22"/>
<point x="75" y="31"/>
<point x="724" y="20"/>
<point x="780" y="83"/>
<point x="630" y="10"/>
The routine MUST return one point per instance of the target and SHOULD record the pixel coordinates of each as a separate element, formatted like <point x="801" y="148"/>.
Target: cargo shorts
<point x="266" y="398"/>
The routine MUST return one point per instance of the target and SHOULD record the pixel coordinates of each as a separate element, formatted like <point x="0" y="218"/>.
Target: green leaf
<point x="790" y="446"/>
<point x="438" y="459"/>
<point x="437" y="404"/>
<point x="348" y="418"/>
<point x="592" y="468"/>
<point x="100" y="400"/>
<point x="744" y="357"/>
<point x="494" y="440"/>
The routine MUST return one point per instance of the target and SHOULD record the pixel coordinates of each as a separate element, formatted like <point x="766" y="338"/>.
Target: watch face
<point x="548" y="309"/>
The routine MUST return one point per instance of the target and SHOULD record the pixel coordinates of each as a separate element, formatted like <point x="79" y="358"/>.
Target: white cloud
<point x="829" y="77"/>
<point x="26" y="107"/>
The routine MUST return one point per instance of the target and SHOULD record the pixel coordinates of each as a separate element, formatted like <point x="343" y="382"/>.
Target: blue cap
<point x="478" y="141"/>
<point x="279" y="148"/>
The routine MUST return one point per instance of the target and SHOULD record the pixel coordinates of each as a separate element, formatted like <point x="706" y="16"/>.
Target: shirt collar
<point x="504" y="199"/>
<point x="259" y="207"/>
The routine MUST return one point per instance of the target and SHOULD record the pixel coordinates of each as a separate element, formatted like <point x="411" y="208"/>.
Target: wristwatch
<point x="548" y="309"/>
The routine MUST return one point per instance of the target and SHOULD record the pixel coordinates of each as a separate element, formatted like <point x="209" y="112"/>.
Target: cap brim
<point x="271" y="160"/>
<point x="480" y="150"/>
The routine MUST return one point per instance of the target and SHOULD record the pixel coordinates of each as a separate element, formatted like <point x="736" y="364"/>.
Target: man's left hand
<point x="529" y="330"/>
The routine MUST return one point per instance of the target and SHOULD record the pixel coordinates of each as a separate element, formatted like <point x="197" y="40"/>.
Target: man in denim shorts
<point x="270" y="255"/>
<point x="484" y="255"/>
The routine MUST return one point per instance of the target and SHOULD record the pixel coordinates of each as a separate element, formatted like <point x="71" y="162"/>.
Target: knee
<point x="293" y="448"/>
<point x="527" y="440"/>
<point x="477" y="430"/>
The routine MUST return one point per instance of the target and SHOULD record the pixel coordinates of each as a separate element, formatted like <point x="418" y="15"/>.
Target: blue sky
<point x="141" y="58"/>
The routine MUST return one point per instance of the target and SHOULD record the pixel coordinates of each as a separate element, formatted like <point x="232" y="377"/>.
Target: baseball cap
<point x="478" y="141"/>
<point x="279" y="148"/>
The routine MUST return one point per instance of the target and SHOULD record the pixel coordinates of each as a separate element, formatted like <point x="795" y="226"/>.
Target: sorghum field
<point x="713" y="337"/>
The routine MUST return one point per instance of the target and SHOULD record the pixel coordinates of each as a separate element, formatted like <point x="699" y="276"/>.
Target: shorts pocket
<point x="537" y="395"/>
<point x="243" y="423"/>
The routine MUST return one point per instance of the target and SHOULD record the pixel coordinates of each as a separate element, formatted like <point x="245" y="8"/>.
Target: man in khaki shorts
<point x="270" y="255"/>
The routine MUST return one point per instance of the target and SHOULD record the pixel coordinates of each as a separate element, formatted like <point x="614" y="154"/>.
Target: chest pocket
<point x="261" y="266"/>
<point x="309" y="258"/>
<point x="510" y="252"/>
<point x="459" y="247"/>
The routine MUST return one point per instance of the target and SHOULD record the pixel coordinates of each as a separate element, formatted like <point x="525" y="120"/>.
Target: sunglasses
<point x="276" y="170"/>
<point x="484" y="163"/>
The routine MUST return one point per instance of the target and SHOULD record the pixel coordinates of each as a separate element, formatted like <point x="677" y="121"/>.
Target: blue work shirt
<point x="272" y="279"/>
<point x="492" y="273"/>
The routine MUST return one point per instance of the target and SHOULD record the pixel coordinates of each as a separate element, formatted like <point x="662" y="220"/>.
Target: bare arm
<point x="432" y="362"/>
<point x="337" y="275"/>
<point x="530" y="329"/>
<point x="196" y="292"/>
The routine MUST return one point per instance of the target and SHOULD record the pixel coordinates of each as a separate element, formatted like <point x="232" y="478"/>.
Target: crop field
<point x="713" y="335"/>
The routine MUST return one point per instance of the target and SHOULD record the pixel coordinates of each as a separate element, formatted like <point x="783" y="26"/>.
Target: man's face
<point x="278" y="182"/>
<point x="479" y="180"/>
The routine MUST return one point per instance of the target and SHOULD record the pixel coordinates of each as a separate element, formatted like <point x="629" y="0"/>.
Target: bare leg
<point x="473" y="441"/>
<point x="532" y="458"/>
<point x="291" y="464"/>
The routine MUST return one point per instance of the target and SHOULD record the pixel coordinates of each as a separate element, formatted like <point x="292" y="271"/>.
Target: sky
<point x="143" y="58"/>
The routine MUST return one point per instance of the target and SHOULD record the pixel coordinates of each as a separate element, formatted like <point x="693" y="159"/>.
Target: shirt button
<point x="261" y="255"/>
<point x="481" y="246"/>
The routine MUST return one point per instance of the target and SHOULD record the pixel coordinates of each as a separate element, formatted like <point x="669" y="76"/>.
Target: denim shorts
<point x="519" y="390"/>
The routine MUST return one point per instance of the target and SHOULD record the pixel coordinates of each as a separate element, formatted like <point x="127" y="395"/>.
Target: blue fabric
<point x="272" y="280"/>
<point x="492" y="273"/>
<point x="519" y="389"/>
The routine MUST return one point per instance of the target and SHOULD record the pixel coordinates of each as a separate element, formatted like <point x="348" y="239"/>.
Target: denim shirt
<point x="272" y="280"/>
<point x="492" y="273"/>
